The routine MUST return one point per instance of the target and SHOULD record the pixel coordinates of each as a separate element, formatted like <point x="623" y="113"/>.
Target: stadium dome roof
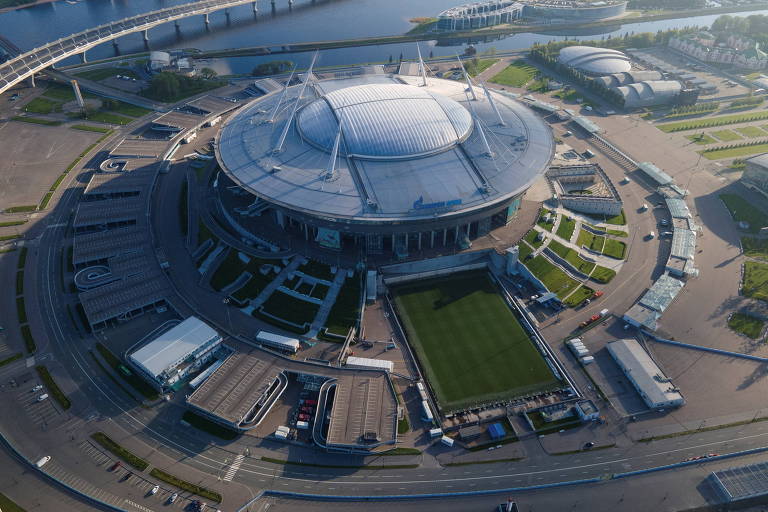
<point x="385" y="121"/>
<point x="595" y="61"/>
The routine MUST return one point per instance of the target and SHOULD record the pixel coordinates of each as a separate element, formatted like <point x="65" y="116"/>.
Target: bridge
<point x="27" y="64"/>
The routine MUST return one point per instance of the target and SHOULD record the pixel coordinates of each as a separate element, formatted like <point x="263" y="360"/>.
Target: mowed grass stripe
<point x="471" y="345"/>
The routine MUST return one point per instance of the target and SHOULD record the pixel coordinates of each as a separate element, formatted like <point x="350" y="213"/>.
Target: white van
<point x="42" y="397"/>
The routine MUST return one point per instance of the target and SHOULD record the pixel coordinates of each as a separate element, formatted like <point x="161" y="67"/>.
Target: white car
<point x="42" y="462"/>
<point x="173" y="497"/>
<point x="154" y="490"/>
<point x="37" y="388"/>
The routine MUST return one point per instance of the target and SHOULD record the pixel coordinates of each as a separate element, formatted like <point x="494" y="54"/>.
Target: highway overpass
<point x="27" y="64"/>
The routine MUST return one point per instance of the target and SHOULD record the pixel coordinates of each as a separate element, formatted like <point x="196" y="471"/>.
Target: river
<point x="307" y="20"/>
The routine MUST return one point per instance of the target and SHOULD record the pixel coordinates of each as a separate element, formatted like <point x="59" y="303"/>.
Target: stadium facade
<point x="383" y="162"/>
<point x="495" y="12"/>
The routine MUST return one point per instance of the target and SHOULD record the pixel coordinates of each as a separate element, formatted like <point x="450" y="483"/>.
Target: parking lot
<point x="140" y="482"/>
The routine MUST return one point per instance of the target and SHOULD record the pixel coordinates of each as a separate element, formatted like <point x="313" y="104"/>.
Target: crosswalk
<point x="232" y="469"/>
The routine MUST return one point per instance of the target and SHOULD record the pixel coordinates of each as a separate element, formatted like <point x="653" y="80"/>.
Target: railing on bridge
<point x="27" y="64"/>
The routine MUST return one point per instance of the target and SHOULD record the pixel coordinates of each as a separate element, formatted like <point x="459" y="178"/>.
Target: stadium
<point x="381" y="164"/>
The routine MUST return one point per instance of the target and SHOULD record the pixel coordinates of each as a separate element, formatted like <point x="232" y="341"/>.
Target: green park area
<point x="710" y="122"/>
<point x="734" y="152"/>
<point x="235" y="264"/>
<point x="470" y="344"/>
<point x="346" y="309"/>
<point x="751" y="131"/>
<point x="102" y="73"/>
<point x="743" y="210"/>
<point x="755" y="247"/>
<point x="727" y="135"/>
<point x="476" y="66"/>
<point x="553" y="278"/>
<point x="755" y="280"/>
<point x="516" y="74"/>
<point x="746" y="324"/>
<point x="565" y="228"/>
<point x="701" y="138"/>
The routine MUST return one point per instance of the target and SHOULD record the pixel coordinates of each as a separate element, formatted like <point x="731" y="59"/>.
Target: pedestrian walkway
<point x="275" y="283"/>
<point x="330" y="299"/>
<point x="233" y="468"/>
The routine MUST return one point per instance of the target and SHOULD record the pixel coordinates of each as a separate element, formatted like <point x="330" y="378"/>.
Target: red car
<point x="303" y="417"/>
<point x="307" y="410"/>
<point x="310" y="402"/>
<point x="115" y="466"/>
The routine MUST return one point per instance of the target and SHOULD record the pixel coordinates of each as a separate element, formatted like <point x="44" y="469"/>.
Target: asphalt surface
<point x="154" y="433"/>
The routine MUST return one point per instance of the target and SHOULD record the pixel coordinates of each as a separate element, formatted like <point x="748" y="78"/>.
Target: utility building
<point x="177" y="352"/>
<point x="654" y="387"/>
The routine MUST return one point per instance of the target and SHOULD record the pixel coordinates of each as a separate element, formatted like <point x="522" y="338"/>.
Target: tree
<point x="165" y="85"/>
<point x="273" y="67"/>
<point x="208" y="73"/>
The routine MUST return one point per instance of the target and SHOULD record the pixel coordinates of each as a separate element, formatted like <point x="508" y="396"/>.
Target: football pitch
<point x="469" y="343"/>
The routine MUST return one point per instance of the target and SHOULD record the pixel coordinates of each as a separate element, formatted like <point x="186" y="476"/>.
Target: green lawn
<point x="615" y="249"/>
<point x="553" y="278"/>
<point x="121" y="107"/>
<point x="566" y="227"/>
<point x="317" y="269"/>
<point x="42" y="105"/>
<point x="346" y="309"/>
<point x="471" y="345"/>
<point x="579" y="296"/>
<point x="712" y="121"/>
<point x="89" y="128"/>
<point x="532" y="237"/>
<point x="701" y="138"/>
<point x="474" y="68"/>
<point x="742" y="210"/>
<point x="616" y="220"/>
<point x="108" y="118"/>
<point x="735" y="152"/>
<point x="231" y="268"/>
<point x="755" y="284"/>
<point x="603" y="275"/>
<point x="572" y="257"/>
<point x="102" y="73"/>
<point x="8" y="505"/>
<point x="727" y="135"/>
<point x="751" y="131"/>
<point x="290" y="309"/>
<point x="546" y="225"/>
<point x="36" y="120"/>
<point x="516" y="74"/>
<point x="755" y="247"/>
<point x="746" y="324"/>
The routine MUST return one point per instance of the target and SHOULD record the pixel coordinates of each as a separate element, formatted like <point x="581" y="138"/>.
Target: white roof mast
<point x="466" y="76"/>
<point x="422" y="67"/>
<point x="288" y="123"/>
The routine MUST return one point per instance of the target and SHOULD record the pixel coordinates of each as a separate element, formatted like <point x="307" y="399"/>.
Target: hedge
<point x="132" y="459"/>
<point x="187" y="486"/>
<point x="53" y="388"/>
<point x="29" y="341"/>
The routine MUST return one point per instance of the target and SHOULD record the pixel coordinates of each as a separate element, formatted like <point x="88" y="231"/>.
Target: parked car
<point x="173" y="497"/>
<point x="154" y="490"/>
<point x="115" y="466"/>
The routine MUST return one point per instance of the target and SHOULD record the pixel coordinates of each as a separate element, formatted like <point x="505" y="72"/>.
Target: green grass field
<point x="751" y="131"/>
<point x="755" y="283"/>
<point x="476" y="66"/>
<point x="577" y="297"/>
<point x="701" y="138"/>
<point x="516" y="74"/>
<point x="102" y="73"/>
<point x="469" y="342"/>
<point x="532" y="237"/>
<point x="735" y="152"/>
<point x="709" y="122"/>
<point x="727" y="135"/>
<point x="565" y="228"/>
<point x="572" y="257"/>
<point x="743" y="210"/>
<point x="746" y="324"/>
<point x="755" y="247"/>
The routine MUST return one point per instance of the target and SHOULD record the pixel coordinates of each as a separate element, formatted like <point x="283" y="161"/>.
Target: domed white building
<point x="595" y="61"/>
<point x="383" y="163"/>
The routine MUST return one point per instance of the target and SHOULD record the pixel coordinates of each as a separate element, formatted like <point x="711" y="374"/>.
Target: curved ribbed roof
<point x="385" y="121"/>
<point x="597" y="61"/>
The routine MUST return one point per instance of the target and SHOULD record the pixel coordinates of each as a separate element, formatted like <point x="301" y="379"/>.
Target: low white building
<point x="366" y="363"/>
<point x="655" y="388"/>
<point x="177" y="352"/>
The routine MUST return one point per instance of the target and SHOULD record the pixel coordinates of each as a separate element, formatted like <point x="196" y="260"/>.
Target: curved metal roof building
<point x="379" y="156"/>
<point x="595" y="61"/>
